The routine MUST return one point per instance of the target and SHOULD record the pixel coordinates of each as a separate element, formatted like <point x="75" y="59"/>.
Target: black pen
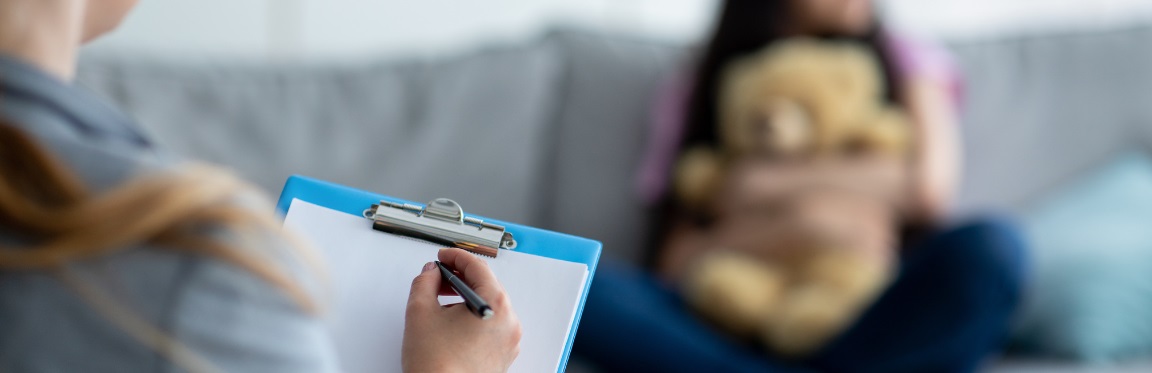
<point x="476" y="304"/>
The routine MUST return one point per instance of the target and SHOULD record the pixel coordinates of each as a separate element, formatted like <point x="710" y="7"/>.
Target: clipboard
<point x="520" y="238"/>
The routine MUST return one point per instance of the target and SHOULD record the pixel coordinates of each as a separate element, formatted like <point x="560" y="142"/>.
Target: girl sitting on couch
<point x="957" y="287"/>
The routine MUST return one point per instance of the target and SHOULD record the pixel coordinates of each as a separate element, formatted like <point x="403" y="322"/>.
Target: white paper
<point x="371" y="272"/>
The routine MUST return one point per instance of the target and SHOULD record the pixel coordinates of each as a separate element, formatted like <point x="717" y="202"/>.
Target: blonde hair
<point x="190" y="209"/>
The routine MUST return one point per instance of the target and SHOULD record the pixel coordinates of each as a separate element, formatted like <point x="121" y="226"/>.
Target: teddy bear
<point x="823" y="251"/>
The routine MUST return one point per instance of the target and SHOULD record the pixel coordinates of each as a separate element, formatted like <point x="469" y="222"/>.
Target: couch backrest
<point x="468" y="127"/>
<point x="1042" y="109"/>
<point x="550" y="133"/>
<point x="600" y="134"/>
<point x="547" y="133"/>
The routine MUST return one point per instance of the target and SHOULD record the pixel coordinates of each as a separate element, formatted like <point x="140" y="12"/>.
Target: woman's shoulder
<point x="920" y="61"/>
<point x="918" y="57"/>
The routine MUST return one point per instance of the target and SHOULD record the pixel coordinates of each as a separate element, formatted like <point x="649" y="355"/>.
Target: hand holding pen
<point x="438" y="337"/>
<point x="473" y="301"/>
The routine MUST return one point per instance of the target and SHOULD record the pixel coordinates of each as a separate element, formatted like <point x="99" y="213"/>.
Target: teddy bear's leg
<point x="829" y="293"/>
<point x="733" y="290"/>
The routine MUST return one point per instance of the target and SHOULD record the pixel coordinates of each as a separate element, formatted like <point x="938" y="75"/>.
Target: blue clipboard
<point x="530" y="240"/>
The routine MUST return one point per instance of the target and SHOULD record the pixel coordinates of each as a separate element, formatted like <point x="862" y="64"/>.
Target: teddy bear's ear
<point x="736" y="96"/>
<point x="861" y="72"/>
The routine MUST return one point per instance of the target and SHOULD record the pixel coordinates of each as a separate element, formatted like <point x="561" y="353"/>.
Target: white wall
<point x="261" y="29"/>
<point x="960" y="19"/>
<point x="191" y="27"/>
<point x="343" y="28"/>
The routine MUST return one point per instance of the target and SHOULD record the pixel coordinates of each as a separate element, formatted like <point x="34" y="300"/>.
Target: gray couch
<point x="549" y="133"/>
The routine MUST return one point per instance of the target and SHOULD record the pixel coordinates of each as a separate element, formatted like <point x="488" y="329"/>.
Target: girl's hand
<point x="450" y="338"/>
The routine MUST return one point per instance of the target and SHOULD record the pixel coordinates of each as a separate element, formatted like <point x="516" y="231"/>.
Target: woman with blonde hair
<point x="116" y="257"/>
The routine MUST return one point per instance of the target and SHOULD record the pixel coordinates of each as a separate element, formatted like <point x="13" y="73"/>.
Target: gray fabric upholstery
<point x="469" y="128"/>
<point x="1042" y="109"/>
<point x="599" y="136"/>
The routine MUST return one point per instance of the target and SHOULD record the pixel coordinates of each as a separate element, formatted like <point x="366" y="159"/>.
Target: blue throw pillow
<point x="1091" y="295"/>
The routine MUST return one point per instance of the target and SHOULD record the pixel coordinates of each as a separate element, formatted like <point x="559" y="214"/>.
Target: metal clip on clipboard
<point x="441" y="222"/>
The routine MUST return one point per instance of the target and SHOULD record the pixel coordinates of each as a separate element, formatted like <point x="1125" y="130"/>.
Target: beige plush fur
<point x="799" y="100"/>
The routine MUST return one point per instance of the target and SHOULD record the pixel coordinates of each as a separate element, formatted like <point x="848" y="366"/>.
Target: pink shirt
<point x="912" y="58"/>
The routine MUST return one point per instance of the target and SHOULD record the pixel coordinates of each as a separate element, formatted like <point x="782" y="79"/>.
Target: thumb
<point x="425" y="288"/>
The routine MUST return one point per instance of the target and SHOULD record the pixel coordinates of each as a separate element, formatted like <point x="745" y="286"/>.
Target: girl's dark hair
<point x="745" y="27"/>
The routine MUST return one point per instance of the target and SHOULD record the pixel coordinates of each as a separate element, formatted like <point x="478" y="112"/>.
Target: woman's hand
<point x="451" y="338"/>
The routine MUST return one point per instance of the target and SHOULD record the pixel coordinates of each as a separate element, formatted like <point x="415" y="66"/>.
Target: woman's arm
<point x="935" y="163"/>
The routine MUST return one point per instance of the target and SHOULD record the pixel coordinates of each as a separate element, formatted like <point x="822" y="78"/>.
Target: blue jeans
<point x="948" y="309"/>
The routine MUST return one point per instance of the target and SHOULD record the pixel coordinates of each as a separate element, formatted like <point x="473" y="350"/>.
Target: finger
<point x="425" y="288"/>
<point x="473" y="270"/>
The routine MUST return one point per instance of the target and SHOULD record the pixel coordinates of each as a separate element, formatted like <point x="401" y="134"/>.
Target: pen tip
<point x="488" y="313"/>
